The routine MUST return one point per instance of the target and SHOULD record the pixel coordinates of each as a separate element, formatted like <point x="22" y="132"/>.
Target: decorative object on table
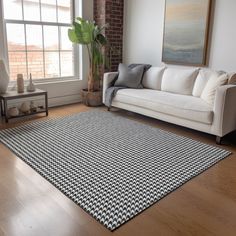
<point x="25" y="107"/>
<point x="186" y="32"/>
<point x="33" y="108"/>
<point x="31" y="86"/>
<point x="13" y="112"/>
<point x="41" y="107"/>
<point x="4" y="78"/>
<point x="20" y="83"/>
<point x="111" y="181"/>
<point x="88" y="33"/>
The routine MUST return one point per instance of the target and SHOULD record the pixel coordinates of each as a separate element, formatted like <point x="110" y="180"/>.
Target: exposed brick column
<point x="111" y="12"/>
<point x="100" y="11"/>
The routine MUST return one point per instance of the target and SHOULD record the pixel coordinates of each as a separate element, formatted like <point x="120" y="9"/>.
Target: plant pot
<point x="91" y="99"/>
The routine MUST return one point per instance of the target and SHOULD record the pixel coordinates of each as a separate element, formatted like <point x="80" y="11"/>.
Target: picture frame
<point x="186" y="32"/>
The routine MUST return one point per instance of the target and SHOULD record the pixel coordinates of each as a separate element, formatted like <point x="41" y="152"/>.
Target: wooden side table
<point x="12" y="95"/>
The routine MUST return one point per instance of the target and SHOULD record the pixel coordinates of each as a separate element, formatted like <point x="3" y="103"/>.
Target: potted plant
<point x="89" y="34"/>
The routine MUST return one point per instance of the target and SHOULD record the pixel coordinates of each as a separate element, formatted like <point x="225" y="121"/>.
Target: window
<point x="37" y="40"/>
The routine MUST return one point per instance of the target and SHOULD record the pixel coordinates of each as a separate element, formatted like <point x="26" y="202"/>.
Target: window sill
<point x="12" y="84"/>
<point x="56" y="81"/>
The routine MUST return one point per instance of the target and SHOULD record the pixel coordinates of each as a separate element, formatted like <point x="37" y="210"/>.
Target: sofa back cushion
<point x="232" y="78"/>
<point x="209" y="92"/>
<point x="179" y="80"/>
<point x="153" y="77"/>
<point x="203" y="76"/>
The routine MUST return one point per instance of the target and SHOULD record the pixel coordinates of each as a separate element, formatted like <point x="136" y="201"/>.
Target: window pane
<point x="64" y="12"/>
<point x="31" y="10"/>
<point x="65" y="42"/>
<point x="67" y="64"/>
<point x="15" y="37"/>
<point x="51" y="64"/>
<point x="49" y="10"/>
<point x="46" y="52"/>
<point x="35" y="64"/>
<point x="12" y="9"/>
<point x="34" y="37"/>
<point x="51" y="37"/>
<point x="17" y="64"/>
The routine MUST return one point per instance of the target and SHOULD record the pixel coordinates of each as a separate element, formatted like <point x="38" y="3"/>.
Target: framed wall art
<point x="186" y="31"/>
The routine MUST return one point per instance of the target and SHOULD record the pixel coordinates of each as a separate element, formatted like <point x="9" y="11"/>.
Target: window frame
<point x="75" y="48"/>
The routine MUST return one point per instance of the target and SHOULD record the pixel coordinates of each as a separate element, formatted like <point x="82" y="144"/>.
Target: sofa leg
<point x="218" y="140"/>
<point x="108" y="108"/>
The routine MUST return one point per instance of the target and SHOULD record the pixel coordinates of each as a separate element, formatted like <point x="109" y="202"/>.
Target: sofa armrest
<point x="107" y="81"/>
<point x="225" y="110"/>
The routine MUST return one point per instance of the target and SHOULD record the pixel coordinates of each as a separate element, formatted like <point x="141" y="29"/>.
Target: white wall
<point x="143" y="30"/>
<point x="143" y="33"/>
<point x="223" y="47"/>
<point x="65" y="92"/>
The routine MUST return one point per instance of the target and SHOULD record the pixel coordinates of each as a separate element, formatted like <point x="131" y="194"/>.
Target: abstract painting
<point x="186" y="31"/>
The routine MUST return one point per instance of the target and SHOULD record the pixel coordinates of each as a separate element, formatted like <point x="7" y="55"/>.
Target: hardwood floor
<point x="31" y="206"/>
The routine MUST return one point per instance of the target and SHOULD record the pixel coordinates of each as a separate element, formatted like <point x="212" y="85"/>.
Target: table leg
<point x="5" y="110"/>
<point x="46" y="103"/>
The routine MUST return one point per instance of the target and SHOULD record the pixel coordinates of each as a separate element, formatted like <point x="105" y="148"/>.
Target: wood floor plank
<point x="31" y="206"/>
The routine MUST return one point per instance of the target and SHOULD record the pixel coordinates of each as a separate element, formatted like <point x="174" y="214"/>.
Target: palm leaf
<point x="88" y="33"/>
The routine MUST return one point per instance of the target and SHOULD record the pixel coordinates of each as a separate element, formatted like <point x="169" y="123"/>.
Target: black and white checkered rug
<point x="112" y="167"/>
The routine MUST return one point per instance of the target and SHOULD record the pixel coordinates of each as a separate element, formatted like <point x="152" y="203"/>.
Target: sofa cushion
<point x="209" y="92"/>
<point x="153" y="77"/>
<point x="203" y="76"/>
<point x="130" y="77"/>
<point x="179" y="80"/>
<point x="232" y="78"/>
<point x="187" y="107"/>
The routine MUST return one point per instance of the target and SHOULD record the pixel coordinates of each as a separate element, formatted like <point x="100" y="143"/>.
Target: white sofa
<point x="175" y="95"/>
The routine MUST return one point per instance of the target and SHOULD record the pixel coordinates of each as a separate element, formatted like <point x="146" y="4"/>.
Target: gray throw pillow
<point x="130" y="77"/>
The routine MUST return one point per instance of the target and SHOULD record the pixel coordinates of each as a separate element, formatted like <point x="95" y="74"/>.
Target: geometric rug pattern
<point x="112" y="167"/>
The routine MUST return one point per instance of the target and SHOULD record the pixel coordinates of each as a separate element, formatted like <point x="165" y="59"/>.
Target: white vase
<point x="4" y="78"/>
<point x="20" y="83"/>
<point x="25" y="107"/>
<point x="13" y="111"/>
<point x="31" y="87"/>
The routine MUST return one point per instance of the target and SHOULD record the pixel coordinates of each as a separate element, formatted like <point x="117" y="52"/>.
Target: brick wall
<point x="111" y="12"/>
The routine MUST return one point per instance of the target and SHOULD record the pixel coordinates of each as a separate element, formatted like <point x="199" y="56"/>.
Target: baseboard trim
<point x="65" y="100"/>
